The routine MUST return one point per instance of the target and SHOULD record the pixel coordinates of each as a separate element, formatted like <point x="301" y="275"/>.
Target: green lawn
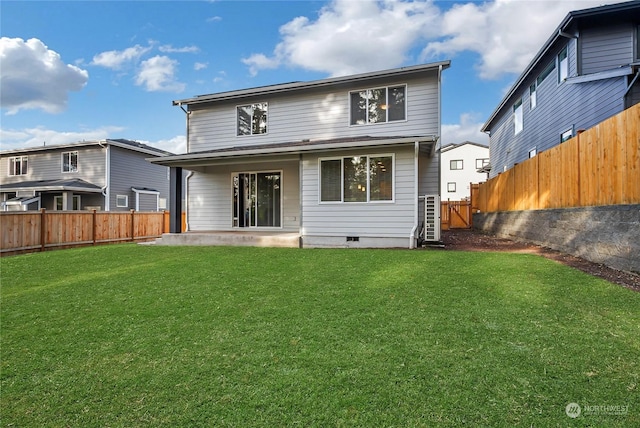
<point x="127" y="335"/>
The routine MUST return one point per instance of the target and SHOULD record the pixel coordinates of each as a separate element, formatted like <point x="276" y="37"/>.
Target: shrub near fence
<point x="41" y="230"/>
<point x="600" y="166"/>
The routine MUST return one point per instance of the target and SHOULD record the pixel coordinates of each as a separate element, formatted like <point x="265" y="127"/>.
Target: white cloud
<point x="177" y="145"/>
<point x="33" y="137"/>
<point x="506" y="34"/>
<point x="200" y="66"/>
<point x="158" y="74"/>
<point x="185" y="49"/>
<point x="214" y="19"/>
<point x="116" y="59"/>
<point x="467" y="130"/>
<point x="352" y="36"/>
<point x="34" y="77"/>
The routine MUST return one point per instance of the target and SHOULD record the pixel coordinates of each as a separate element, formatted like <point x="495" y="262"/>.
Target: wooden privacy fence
<point x="600" y="166"/>
<point x="41" y="230"/>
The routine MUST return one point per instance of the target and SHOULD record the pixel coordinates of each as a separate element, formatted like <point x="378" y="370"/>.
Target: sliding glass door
<point x="257" y="199"/>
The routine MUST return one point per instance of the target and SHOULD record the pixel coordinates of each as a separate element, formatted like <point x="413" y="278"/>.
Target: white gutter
<point x="412" y="236"/>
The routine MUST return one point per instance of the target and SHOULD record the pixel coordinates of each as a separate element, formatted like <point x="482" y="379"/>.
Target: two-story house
<point x="340" y="161"/>
<point x="109" y="175"/>
<point x="460" y="164"/>
<point x="587" y="71"/>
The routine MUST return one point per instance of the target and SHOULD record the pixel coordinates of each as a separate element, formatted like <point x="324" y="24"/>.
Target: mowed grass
<point x="127" y="335"/>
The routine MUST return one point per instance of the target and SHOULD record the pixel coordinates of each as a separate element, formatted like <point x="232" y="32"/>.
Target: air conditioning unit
<point x="432" y="218"/>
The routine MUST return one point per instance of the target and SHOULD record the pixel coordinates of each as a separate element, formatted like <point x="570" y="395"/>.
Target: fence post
<point x="94" y="227"/>
<point x="43" y="229"/>
<point x="132" y="224"/>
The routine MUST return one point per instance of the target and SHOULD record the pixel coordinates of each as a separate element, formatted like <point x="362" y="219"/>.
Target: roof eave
<point x="297" y="86"/>
<point x="566" y="22"/>
<point x="178" y="160"/>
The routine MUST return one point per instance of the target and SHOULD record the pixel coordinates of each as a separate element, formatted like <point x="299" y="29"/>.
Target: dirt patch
<point x="471" y="240"/>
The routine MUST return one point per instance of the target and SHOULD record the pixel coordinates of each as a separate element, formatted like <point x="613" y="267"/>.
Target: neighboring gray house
<point x="586" y="72"/>
<point x="337" y="162"/>
<point x="109" y="175"/>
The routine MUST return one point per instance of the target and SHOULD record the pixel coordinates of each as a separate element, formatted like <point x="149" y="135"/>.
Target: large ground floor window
<point x="257" y="199"/>
<point x="357" y="179"/>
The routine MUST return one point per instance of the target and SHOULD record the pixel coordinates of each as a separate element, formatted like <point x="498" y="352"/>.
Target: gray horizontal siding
<point x="560" y="107"/>
<point x="360" y="219"/>
<point x="319" y="115"/>
<point x="131" y="169"/>
<point x="48" y="166"/>
<point x="605" y="48"/>
<point x="210" y="194"/>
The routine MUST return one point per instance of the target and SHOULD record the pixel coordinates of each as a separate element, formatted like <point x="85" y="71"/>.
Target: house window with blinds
<point x="357" y="179"/>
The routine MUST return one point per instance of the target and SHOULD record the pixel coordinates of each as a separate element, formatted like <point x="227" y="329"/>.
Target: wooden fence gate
<point x="456" y="215"/>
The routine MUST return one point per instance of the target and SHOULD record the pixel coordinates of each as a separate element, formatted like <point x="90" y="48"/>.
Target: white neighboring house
<point x="460" y="165"/>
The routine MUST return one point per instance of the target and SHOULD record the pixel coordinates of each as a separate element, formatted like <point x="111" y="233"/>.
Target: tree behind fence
<point x="600" y="166"/>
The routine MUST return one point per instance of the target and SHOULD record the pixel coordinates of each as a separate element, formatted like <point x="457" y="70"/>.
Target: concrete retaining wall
<point x="609" y="234"/>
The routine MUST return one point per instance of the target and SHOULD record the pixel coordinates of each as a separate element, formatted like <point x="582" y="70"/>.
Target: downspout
<point x="439" y="142"/>
<point x="107" y="173"/>
<point x="186" y="180"/>
<point x="412" y="237"/>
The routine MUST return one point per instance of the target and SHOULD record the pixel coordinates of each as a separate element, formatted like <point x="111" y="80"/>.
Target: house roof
<point x="122" y="143"/>
<point x="594" y="13"/>
<point x="75" y="185"/>
<point x="455" y="146"/>
<point x="298" y="86"/>
<point x="427" y="143"/>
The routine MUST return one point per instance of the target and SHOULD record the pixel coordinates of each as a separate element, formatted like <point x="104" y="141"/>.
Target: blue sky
<point x="82" y="70"/>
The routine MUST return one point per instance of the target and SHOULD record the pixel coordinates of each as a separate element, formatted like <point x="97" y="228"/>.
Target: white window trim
<point x="456" y="160"/>
<point x="533" y="152"/>
<point x="146" y="192"/>
<point x="265" y="171"/>
<point x="13" y="158"/>
<point x="483" y="162"/>
<point x="406" y="106"/>
<point x="62" y="163"/>
<point x="569" y="133"/>
<point x="517" y="107"/>
<point x="252" y="134"/>
<point x="561" y="78"/>
<point x="533" y="96"/>
<point x="368" y="201"/>
<point x="126" y="198"/>
<point x="57" y="197"/>
<point x="449" y="188"/>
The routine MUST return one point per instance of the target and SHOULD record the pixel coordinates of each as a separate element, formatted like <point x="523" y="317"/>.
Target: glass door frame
<point x="235" y="207"/>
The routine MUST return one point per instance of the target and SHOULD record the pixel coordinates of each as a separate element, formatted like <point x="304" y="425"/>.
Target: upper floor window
<point x="252" y="119"/>
<point x="455" y="164"/>
<point x="563" y="65"/>
<point x="357" y="179"/>
<point x="378" y="105"/>
<point x="70" y="162"/>
<point x="480" y="163"/>
<point x="517" y="117"/>
<point x="533" y="98"/>
<point x="18" y="165"/>
<point x="546" y="72"/>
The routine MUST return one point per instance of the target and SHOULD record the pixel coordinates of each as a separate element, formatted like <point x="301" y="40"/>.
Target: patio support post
<point x="175" y="199"/>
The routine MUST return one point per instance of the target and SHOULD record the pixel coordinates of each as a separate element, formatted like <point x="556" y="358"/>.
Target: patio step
<point x="232" y="239"/>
